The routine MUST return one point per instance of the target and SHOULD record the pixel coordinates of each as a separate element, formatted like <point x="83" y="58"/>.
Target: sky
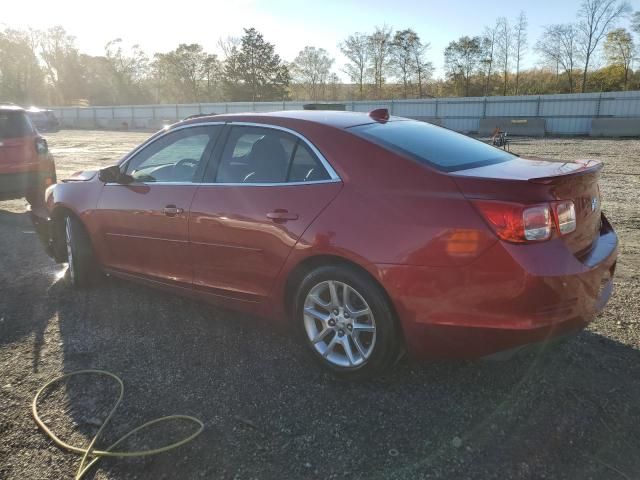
<point x="289" y="24"/>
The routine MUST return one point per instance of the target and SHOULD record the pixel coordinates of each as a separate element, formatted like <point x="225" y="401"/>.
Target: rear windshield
<point x="444" y="149"/>
<point x="14" y="125"/>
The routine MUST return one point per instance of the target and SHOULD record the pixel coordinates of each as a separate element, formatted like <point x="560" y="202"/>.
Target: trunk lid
<point x="534" y="180"/>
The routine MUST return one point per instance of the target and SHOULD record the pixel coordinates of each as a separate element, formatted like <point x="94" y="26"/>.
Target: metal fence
<point x="564" y="114"/>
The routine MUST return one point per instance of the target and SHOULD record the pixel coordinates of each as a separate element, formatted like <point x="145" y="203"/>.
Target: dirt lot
<point x="572" y="411"/>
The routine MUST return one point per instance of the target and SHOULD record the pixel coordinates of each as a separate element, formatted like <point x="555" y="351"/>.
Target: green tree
<point x="462" y="59"/>
<point x="62" y="65"/>
<point x="311" y="68"/>
<point x="187" y="74"/>
<point x="21" y="77"/>
<point x="254" y="71"/>
<point x="620" y="50"/>
<point x="127" y="72"/>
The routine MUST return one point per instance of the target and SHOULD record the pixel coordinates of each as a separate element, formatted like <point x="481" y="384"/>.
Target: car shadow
<point x="26" y="272"/>
<point x="567" y="411"/>
<point x="570" y="411"/>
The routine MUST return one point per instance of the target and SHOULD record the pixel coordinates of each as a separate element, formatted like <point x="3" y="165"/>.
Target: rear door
<point x="264" y="189"/>
<point x="144" y="224"/>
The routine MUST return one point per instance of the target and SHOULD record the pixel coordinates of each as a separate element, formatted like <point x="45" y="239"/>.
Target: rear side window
<point x="444" y="149"/>
<point x="14" y="125"/>
<point x="257" y="155"/>
<point x="305" y="166"/>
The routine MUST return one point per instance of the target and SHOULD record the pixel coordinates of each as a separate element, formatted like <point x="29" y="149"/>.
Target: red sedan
<point x="370" y="235"/>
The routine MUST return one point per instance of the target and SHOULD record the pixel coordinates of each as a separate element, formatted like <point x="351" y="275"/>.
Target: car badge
<point x="594" y="204"/>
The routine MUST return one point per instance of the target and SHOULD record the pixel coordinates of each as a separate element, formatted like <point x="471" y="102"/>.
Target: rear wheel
<point x="79" y="253"/>
<point x="346" y="321"/>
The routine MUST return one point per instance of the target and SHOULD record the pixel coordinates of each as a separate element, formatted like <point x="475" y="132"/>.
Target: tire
<point x="330" y="326"/>
<point x="34" y="198"/>
<point x="82" y="268"/>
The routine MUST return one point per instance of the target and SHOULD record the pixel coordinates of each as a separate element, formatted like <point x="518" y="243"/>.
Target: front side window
<point x="174" y="157"/>
<point x="444" y="149"/>
<point x="267" y="155"/>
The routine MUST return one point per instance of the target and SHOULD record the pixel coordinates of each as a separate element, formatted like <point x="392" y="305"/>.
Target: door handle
<point x="172" y="210"/>
<point x="281" y="215"/>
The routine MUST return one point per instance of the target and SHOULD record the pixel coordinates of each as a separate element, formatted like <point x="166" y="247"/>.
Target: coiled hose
<point x="96" y="455"/>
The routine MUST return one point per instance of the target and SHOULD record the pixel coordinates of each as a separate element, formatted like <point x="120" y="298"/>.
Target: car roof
<point x="38" y="110"/>
<point x="332" y="118"/>
<point x="11" y="108"/>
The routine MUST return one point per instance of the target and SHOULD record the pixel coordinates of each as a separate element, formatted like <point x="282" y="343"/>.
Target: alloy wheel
<point x="339" y="324"/>
<point x="69" y="240"/>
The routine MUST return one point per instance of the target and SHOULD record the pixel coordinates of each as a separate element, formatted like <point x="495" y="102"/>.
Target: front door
<point x="144" y="224"/>
<point x="263" y="192"/>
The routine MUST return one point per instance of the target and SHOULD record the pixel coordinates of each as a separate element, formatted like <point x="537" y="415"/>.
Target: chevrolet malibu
<point x="367" y="234"/>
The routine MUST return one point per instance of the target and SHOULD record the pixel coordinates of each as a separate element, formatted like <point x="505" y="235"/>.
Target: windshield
<point x="14" y="125"/>
<point x="444" y="149"/>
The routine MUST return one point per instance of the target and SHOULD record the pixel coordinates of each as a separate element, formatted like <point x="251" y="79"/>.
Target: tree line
<point x="46" y="67"/>
<point x="490" y="63"/>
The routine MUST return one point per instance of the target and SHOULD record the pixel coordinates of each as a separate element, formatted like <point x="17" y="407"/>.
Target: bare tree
<point x="488" y="48"/>
<point x="635" y="22"/>
<point x="402" y="56"/>
<point x="228" y="45"/>
<point x="596" y="18"/>
<point x="379" y="53"/>
<point x="504" y="46"/>
<point x="423" y="68"/>
<point x="356" y="48"/>
<point x="620" y="50"/>
<point x="520" y="40"/>
<point x="311" y="68"/>
<point x="559" y="45"/>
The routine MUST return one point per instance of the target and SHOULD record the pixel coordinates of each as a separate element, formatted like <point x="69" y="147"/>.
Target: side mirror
<point x="111" y="174"/>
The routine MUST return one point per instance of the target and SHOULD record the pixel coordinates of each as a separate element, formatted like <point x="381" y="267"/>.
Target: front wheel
<point x="347" y="321"/>
<point x="79" y="253"/>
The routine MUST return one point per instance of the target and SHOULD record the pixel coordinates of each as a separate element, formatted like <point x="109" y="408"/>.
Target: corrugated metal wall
<point x="566" y="114"/>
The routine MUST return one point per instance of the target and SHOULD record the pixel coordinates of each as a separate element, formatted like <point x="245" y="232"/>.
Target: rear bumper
<point x="511" y="296"/>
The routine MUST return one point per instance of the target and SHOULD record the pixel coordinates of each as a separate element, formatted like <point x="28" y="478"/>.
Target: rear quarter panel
<point x="391" y="211"/>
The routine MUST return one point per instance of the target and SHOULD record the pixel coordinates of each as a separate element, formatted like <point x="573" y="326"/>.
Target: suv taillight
<point x="518" y="223"/>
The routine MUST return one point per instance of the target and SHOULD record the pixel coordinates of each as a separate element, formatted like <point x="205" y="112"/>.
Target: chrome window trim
<point x="210" y="184"/>
<point x="334" y="177"/>
<point x="325" y="163"/>
<point x="166" y="132"/>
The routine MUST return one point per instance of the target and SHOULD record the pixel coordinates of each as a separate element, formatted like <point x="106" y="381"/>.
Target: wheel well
<point x="58" y="233"/>
<point x="308" y="264"/>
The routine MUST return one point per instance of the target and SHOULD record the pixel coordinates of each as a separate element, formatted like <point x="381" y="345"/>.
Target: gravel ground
<point x="571" y="411"/>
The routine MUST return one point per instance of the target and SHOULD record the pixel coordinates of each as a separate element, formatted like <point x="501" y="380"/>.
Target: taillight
<point x="537" y="222"/>
<point x="565" y="216"/>
<point x="517" y="223"/>
<point x="41" y="146"/>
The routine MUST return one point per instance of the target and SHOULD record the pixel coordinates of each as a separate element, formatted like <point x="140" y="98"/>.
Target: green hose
<point x="96" y="455"/>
